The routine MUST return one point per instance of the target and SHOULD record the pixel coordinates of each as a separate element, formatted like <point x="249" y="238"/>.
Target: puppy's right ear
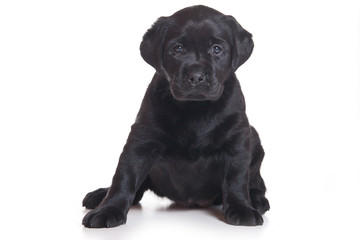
<point x="151" y="47"/>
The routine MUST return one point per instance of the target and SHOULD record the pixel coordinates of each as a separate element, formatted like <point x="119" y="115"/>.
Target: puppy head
<point x="196" y="49"/>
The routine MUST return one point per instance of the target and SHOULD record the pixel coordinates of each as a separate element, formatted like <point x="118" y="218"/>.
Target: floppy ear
<point x="242" y="43"/>
<point x="151" y="47"/>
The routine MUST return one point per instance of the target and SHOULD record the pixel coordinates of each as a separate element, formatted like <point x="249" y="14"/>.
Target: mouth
<point x="181" y="93"/>
<point x="193" y="97"/>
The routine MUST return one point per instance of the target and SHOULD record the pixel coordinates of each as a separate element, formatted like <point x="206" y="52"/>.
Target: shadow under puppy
<point x="191" y="141"/>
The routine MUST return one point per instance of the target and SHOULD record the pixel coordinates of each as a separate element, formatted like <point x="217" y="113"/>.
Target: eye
<point x="216" y="49"/>
<point x="178" y="48"/>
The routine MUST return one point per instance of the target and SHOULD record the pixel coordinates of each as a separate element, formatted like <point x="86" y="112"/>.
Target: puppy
<point x="191" y="141"/>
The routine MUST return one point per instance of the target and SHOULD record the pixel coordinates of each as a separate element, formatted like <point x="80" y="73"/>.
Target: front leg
<point x="112" y="211"/>
<point x="237" y="207"/>
<point x="134" y="165"/>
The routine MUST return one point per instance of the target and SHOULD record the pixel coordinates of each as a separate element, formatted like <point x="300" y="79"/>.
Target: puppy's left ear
<point x="242" y="43"/>
<point x="151" y="47"/>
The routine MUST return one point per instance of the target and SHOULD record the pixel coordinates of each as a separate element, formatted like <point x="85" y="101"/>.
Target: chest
<point x="190" y="140"/>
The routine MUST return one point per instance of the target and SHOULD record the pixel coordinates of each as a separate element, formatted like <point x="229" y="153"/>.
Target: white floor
<point x="71" y="83"/>
<point x="157" y="218"/>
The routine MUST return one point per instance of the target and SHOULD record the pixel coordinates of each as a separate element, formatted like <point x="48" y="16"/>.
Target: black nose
<point x="196" y="78"/>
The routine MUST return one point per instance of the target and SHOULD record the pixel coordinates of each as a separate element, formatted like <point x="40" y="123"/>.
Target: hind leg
<point x="259" y="201"/>
<point x="94" y="198"/>
<point x="257" y="187"/>
<point x="140" y="192"/>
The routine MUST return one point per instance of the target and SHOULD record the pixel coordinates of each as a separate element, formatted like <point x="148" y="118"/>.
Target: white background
<point x="71" y="83"/>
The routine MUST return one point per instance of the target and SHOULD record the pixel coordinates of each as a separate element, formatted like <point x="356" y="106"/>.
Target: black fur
<point x="191" y="141"/>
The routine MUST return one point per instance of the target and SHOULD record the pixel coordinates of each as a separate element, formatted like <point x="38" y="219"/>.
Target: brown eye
<point x="216" y="50"/>
<point x="178" y="48"/>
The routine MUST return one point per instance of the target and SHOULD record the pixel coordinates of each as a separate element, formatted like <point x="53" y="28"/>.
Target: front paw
<point x="104" y="217"/>
<point x="244" y="216"/>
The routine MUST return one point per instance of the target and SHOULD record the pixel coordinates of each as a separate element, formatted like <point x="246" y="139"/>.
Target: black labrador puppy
<point x="191" y="141"/>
